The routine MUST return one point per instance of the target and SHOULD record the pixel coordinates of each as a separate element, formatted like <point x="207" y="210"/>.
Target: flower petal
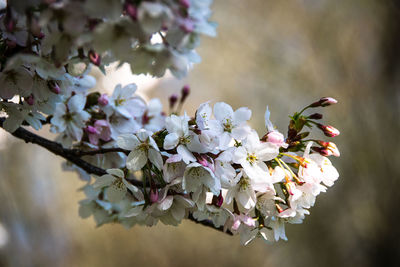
<point x="128" y="141"/>
<point x="171" y="141"/>
<point x="155" y="158"/>
<point x="136" y="160"/>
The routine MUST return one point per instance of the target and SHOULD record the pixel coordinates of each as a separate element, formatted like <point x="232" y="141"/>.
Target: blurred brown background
<point x="282" y="53"/>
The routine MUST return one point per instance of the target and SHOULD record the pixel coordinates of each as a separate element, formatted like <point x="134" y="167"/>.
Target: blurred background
<point x="285" y="54"/>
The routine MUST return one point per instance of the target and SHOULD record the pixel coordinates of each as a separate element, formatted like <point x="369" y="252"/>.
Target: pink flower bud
<point x="276" y="138"/>
<point x="322" y="151"/>
<point x="185" y="3"/>
<point x="55" y="88"/>
<point x="103" y="100"/>
<point x="30" y="100"/>
<point x="94" y="58"/>
<point x="153" y="195"/>
<point x="328" y="130"/>
<point x="323" y="102"/>
<point x="185" y="92"/>
<point x="131" y="10"/>
<point x="220" y="200"/>
<point x="91" y="130"/>
<point x="327" y="101"/>
<point x="172" y="100"/>
<point x="206" y="162"/>
<point x="330" y="147"/>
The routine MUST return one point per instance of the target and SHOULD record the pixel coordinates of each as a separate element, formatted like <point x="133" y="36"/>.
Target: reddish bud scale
<point x="315" y="116"/>
<point x="153" y="195"/>
<point x="54" y="87"/>
<point x="94" y="58"/>
<point x="145" y="119"/>
<point x="220" y="200"/>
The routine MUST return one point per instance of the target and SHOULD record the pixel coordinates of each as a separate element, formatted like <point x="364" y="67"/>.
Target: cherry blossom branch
<point x="73" y="155"/>
<point x="55" y="148"/>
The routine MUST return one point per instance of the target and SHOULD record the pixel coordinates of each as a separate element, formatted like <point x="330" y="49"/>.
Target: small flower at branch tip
<point x="328" y="130"/>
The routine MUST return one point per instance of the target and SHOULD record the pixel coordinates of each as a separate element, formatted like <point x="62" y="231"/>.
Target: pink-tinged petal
<point x="174" y="158"/>
<point x="236" y="223"/>
<point x="93" y="139"/>
<point x="247" y="220"/>
<point x="166" y="203"/>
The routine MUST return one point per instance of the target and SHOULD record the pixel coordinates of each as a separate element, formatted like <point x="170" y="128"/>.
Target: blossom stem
<point x="304" y="109"/>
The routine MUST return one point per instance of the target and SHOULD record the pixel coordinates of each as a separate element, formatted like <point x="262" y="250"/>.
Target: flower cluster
<point x="48" y="47"/>
<point x="211" y="166"/>
<point x="214" y="166"/>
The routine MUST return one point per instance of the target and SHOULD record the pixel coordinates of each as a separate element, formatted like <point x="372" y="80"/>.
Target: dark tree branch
<point x="80" y="153"/>
<point x="73" y="155"/>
